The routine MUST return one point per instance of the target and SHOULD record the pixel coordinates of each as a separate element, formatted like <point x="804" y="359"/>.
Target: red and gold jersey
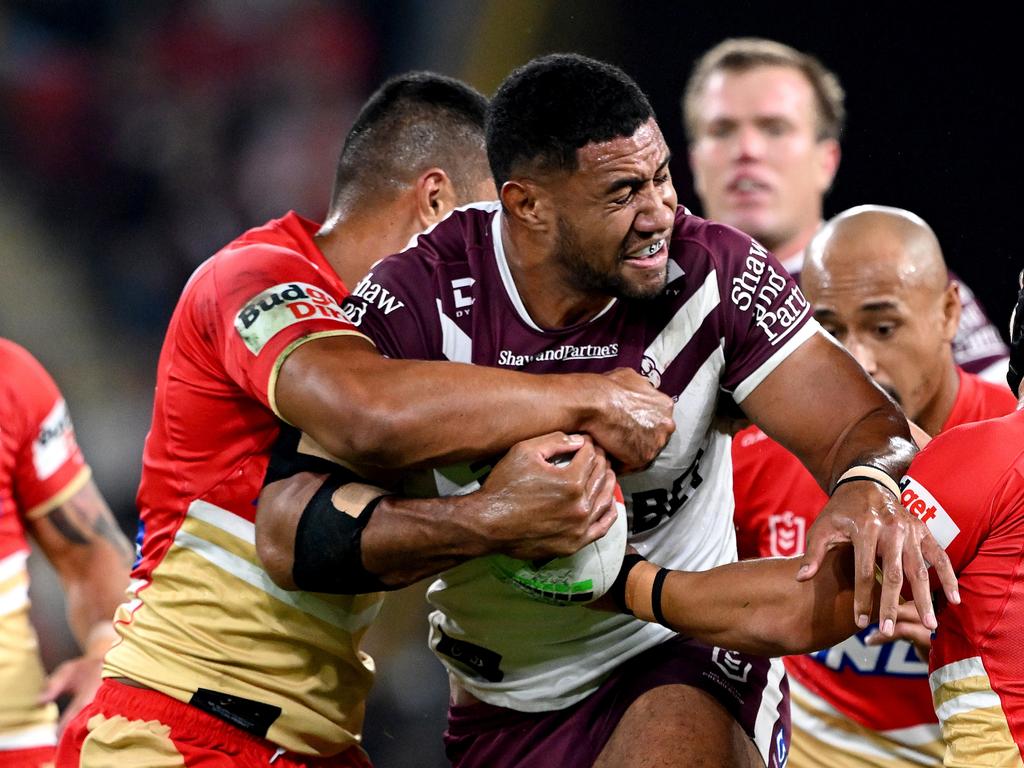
<point x="205" y="624"/>
<point x="967" y="486"/>
<point x="852" y="697"/>
<point x="41" y="466"/>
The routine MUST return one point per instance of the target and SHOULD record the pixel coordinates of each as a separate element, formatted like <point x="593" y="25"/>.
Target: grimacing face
<point x="615" y="215"/>
<point x="757" y="162"/>
<point x="897" y="332"/>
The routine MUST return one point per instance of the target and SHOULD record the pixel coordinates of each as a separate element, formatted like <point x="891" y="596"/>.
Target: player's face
<point x="615" y="215"/>
<point x="757" y="162"/>
<point x="898" y="330"/>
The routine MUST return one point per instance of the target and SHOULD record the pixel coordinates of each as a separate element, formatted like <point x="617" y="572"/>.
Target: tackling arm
<point x="754" y="606"/>
<point x="370" y="410"/>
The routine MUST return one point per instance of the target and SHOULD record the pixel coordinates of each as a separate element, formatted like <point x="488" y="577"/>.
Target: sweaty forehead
<point x="642" y="153"/>
<point x="851" y="280"/>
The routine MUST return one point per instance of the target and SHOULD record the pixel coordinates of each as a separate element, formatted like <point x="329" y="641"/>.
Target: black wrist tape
<point x="617" y="591"/>
<point x="656" y="587"/>
<point x="328" y="541"/>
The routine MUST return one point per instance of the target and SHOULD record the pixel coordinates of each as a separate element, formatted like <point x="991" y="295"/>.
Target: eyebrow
<point x="879" y="306"/>
<point x="635" y="181"/>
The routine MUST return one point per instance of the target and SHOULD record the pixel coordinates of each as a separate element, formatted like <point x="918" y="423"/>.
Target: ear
<point x="526" y="203"/>
<point x="434" y="196"/>
<point x="829" y="155"/>
<point x="951" y="307"/>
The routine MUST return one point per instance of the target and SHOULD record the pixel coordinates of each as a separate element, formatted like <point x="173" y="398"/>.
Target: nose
<point x="862" y="353"/>
<point x="749" y="143"/>
<point x="658" y="211"/>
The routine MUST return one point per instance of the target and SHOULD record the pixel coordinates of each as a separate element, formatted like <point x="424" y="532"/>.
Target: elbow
<point x="276" y="561"/>
<point x="369" y="432"/>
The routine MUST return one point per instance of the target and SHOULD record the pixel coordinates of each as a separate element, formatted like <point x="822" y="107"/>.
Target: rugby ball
<point x="573" y="580"/>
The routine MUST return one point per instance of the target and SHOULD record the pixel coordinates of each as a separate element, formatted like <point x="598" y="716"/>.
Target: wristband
<point x="868" y="472"/>
<point x="656" y="587"/>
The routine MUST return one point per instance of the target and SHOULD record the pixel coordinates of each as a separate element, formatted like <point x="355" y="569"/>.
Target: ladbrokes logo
<point x="922" y="505"/>
<point x="276" y="308"/>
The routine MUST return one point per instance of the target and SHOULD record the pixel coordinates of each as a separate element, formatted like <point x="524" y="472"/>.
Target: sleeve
<point x="264" y="302"/>
<point x="957" y="511"/>
<point x="49" y="467"/>
<point x="766" y="317"/>
<point x="397" y="306"/>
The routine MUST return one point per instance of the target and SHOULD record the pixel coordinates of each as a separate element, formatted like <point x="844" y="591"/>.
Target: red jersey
<point x="41" y="467"/>
<point x="967" y="486"/>
<point x="880" y="688"/>
<point x="205" y="624"/>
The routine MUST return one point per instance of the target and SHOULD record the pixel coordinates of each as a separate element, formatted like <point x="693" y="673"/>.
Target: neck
<point x="352" y="243"/>
<point x="936" y="412"/>
<point x="548" y="294"/>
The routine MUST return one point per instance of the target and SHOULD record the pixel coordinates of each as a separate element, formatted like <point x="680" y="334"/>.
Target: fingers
<point x="936" y="555"/>
<point x="58" y="683"/>
<point x="890" y="546"/>
<point x="603" y="507"/>
<point x="553" y="445"/>
<point x="917" y="574"/>
<point x="865" y="550"/>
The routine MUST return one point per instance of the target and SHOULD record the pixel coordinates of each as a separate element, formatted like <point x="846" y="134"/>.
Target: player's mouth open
<point x="651" y="256"/>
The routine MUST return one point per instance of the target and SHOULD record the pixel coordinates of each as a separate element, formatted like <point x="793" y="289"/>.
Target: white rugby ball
<point x="573" y="580"/>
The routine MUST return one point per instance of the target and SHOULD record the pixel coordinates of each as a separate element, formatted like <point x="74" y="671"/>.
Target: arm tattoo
<point x="85" y="517"/>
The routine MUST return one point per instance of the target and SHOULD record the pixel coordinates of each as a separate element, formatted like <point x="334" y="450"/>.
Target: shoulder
<point x="21" y="370"/>
<point x="720" y="244"/>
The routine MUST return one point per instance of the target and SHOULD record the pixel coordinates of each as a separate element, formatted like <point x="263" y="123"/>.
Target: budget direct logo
<point x="919" y="502"/>
<point x="270" y="312"/>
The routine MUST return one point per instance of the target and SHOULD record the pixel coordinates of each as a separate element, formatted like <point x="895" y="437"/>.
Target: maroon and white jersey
<point x="728" y="316"/>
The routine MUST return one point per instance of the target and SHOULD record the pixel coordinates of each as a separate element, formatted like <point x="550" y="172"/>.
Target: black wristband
<point x="656" y="587"/>
<point x="617" y="591"/>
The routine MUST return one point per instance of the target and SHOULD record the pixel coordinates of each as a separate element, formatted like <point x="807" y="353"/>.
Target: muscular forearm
<point x="821" y="406"/>
<point x="371" y="411"/>
<point x="755" y="606"/>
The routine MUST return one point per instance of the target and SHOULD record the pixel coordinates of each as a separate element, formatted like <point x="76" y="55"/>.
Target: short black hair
<point x="554" y="105"/>
<point x="414" y="121"/>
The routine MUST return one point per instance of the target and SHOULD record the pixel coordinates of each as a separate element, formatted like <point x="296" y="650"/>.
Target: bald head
<point x="875" y="243"/>
<point x="878" y="283"/>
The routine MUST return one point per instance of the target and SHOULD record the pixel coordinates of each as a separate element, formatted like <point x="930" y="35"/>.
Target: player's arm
<point x="370" y="410"/>
<point x="333" y="533"/>
<point x="82" y="540"/>
<point x="819" y="404"/>
<point x="755" y="606"/>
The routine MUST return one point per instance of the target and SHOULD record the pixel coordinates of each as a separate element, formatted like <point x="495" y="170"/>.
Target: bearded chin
<point x="587" y="277"/>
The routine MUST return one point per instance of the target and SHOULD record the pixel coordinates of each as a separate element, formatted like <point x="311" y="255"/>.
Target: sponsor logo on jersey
<point x="898" y="658"/>
<point x="564" y="352"/>
<point x="921" y="504"/>
<point x="271" y="311"/>
<point x="786" y="534"/>
<point x="55" y="442"/>
<point x="649" y="370"/>
<point x="376" y="295"/>
<point x="732" y="664"/>
<point x="760" y="288"/>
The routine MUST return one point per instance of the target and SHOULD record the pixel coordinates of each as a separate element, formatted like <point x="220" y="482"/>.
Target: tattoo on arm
<point x="85" y="517"/>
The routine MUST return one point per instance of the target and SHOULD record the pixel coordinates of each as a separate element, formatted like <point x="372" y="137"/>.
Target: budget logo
<point x="54" y="443"/>
<point x="786" y="534"/>
<point x="270" y="312"/>
<point x="919" y="502"/>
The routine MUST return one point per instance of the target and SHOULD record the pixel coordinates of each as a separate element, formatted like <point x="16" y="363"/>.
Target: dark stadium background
<point x="135" y="138"/>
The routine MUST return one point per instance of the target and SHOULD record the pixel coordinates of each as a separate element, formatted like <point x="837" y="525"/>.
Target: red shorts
<point x="147" y="728"/>
<point x="36" y="757"/>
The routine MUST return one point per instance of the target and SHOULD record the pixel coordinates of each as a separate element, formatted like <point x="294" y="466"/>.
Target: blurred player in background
<point x="877" y="282"/>
<point x="47" y="493"/>
<point x="764" y="122"/>
<point x="217" y="665"/>
<point x="587" y="263"/>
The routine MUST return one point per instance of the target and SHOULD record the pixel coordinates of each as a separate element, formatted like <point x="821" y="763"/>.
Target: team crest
<point x="786" y="534"/>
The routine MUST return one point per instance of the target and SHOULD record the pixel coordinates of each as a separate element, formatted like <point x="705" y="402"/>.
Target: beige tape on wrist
<point x="867" y="472"/>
